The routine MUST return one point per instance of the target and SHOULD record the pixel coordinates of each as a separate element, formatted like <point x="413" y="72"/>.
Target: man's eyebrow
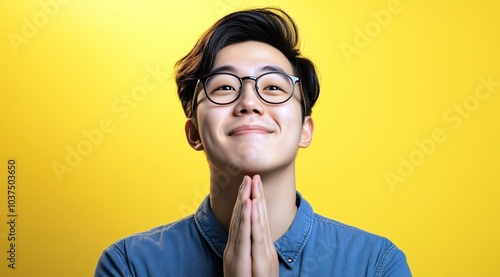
<point x="223" y="68"/>
<point x="269" y="68"/>
<point x="232" y="69"/>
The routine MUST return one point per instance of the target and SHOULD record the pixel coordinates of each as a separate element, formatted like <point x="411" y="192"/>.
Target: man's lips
<point x="249" y="129"/>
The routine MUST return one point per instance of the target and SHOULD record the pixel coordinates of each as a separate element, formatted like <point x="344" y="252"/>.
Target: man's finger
<point x="243" y="243"/>
<point x="234" y="227"/>
<point x="258" y="193"/>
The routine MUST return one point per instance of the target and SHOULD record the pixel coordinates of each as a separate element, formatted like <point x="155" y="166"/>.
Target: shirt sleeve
<point x="112" y="263"/>
<point x="394" y="263"/>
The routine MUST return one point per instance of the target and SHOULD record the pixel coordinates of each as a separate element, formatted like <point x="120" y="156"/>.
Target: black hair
<point x="268" y="25"/>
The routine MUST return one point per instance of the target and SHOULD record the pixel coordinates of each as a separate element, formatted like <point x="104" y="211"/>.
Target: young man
<point x="248" y="94"/>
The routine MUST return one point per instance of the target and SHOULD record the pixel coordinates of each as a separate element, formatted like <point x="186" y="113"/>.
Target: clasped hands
<point x="250" y="250"/>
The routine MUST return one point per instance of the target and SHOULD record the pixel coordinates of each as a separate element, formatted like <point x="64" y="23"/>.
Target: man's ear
<point x="307" y="132"/>
<point x="192" y="135"/>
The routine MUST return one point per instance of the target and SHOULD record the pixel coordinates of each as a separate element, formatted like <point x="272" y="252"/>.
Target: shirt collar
<point x="288" y="246"/>
<point x="291" y="244"/>
<point x="210" y="228"/>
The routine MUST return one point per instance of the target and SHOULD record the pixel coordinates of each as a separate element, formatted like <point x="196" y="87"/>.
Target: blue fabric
<point x="313" y="246"/>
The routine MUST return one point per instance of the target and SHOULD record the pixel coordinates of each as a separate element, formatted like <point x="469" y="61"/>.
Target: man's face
<point x="250" y="134"/>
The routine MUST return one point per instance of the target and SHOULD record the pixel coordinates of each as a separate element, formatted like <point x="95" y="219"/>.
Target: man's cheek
<point x="290" y="113"/>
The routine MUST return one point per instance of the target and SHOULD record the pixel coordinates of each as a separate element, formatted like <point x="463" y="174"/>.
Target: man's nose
<point x="249" y="101"/>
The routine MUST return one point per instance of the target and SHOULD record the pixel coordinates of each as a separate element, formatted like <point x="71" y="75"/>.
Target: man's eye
<point x="225" y="88"/>
<point x="272" y="88"/>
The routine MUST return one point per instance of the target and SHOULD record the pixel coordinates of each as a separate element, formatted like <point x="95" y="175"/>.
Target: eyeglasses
<point x="225" y="88"/>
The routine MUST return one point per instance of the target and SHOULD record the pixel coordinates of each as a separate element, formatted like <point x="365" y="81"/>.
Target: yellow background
<point x="396" y="87"/>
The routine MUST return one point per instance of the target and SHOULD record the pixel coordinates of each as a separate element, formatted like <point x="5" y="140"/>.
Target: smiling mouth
<point x="249" y="130"/>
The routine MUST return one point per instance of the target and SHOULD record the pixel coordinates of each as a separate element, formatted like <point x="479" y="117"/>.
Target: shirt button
<point x="290" y="260"/>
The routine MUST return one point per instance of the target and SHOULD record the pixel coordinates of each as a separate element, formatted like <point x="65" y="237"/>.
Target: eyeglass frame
<point x="203" y="80"/>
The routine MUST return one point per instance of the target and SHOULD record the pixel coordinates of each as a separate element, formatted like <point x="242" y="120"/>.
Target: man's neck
<point x="279" y="191"/>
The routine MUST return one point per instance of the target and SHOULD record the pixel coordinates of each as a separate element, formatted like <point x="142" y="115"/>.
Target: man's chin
<point x="242" y="167"/>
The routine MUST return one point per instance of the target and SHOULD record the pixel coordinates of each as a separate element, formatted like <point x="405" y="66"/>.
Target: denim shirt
<point x="313" y="246"/>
